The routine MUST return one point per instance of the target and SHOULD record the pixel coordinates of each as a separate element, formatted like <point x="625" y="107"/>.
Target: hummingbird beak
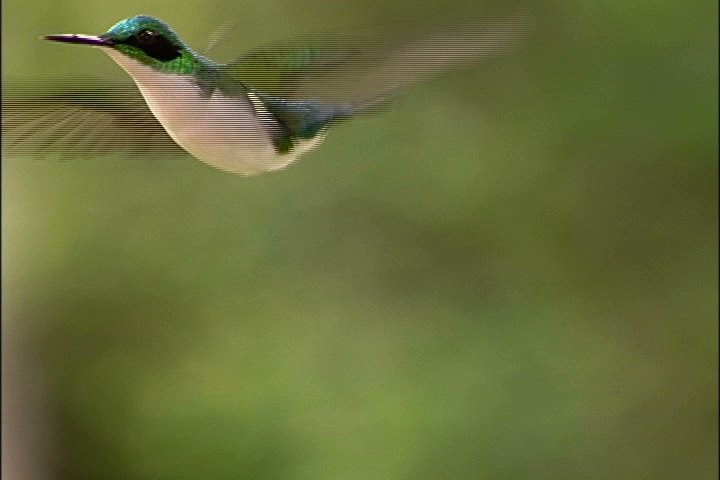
<point x="81" y="39"/>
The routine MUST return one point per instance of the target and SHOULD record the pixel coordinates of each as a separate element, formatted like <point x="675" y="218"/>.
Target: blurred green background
<point x="512" y="274"/>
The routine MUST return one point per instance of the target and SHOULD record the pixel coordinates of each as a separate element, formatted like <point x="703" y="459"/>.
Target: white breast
<point x="225" y="132"/>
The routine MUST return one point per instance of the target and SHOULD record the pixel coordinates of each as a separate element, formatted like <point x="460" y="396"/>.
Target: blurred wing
<point x="376" y="64"/>
<point x="279" y="69"/>
<point x="86" y="118"/>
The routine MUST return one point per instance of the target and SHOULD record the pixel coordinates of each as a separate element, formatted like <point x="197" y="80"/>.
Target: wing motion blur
<point x="376" y="63"/>
<point x="80" y="117"/>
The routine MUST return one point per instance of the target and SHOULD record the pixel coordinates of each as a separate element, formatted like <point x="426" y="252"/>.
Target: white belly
<point x="224" y="132"/>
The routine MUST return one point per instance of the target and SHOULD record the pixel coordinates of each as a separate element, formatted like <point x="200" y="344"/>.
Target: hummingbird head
<point x="143" y="38"/>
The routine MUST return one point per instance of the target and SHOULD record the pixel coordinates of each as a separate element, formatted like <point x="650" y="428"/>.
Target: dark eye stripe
<point x="154" y="45"/>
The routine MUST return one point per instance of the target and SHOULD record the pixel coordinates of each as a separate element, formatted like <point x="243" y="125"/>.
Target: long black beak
<point x="81" y="39"/>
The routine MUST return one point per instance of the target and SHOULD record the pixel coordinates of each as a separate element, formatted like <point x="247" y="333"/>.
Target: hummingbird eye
<point x="146" y="37"/>
<point x="155" y="45"/>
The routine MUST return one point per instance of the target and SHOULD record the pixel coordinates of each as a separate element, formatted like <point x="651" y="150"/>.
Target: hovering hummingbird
<point x="256" y="114"/>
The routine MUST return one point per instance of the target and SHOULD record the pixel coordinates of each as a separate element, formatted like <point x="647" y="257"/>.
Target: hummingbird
<point x="256" y="114"/>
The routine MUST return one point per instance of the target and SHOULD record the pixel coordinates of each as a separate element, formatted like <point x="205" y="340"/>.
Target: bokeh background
<point x="512" y="274"/>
